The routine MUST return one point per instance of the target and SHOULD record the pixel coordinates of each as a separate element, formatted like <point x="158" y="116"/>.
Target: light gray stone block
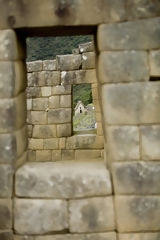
<point x="33" y="92"/>
<point x="35" y="79"/>
<point x="61" y="90"/>
<point x="44" y="131"/>
<point x="45" y="216"/>
<point x="51" y="78"/>
<point x="64" y="130"/>
<point x="39" y="104"/>
<point x="91" y="215"/>
<point x="88" y="60"/>
<point x="34" y="66"/>
<point x="6" y="214"/>
<point x="86" y="47"/>
<point x="49" y="65"/>
<point x="68" y="62"/>
<point x="63" y="180"/>
<point x="154" y="58"/>
<point x="78" y="77"/>
<point x="62" y="115"/>
<point x="6" y="180"/>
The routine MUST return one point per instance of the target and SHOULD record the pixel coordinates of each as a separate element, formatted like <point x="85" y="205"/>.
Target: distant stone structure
<point x="79" y="108"/>
<point x="114" y="199"/>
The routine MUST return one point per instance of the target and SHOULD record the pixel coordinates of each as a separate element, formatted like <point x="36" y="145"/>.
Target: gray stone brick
<point x="88" y="60"/>
<point x="49" y="65"/>
<point x="40" y="103"/>
<point x="6" y="180"/>
<point x="35" y="79"/>
<point x="59" y="115"/>
<point x="8" y="148"/>
<point x="68" y="62"/>
<point x="6" y="214"/>
<point x="51" y="78"/>
<point x="154" y="58"/>
<point x="44" y="131"/>
<point x="78" y="77"/>
<point x="64" y="130"/>
<point x="34" y="66"/>
<point x="61" y="90"/>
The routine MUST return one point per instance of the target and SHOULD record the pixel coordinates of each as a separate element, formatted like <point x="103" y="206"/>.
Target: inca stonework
<point x="115" y="199"/>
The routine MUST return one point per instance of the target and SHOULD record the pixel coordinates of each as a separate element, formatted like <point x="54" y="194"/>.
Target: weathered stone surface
<point x="88" y="60"/>
<point x="63" y="180"/>
<point x="143" y="9"/>
<point x="21" y="160"/>
<point x="45" y="216"/>
<point x="6" y="235"/>
<point x="60" y="89"/>
<point x="49" y="65"/>
<point x="139" y="236"/>
<point x="51" y="78"/>
<point x="46" y="91"/>
<point x="150" y="136"/>
<point x="44" y="131"/>
<point x="68" y="155"/>
<point x="126" y="66"/>
<point x="64" y="130"/>
<point x="29" y="104"/>
<point x="154" y="58"/>
<point x="123" y="36"/>
<point x="86" y="47"/>
<point x="65" y="101"/>
<point x="135" y="213"/>
<point x="35" y="79"/>
<point x="43" y="155"/>
<point x="59" y="115"/>
<point x="136" y="178"/>
<point x="51" y="143"/>
<point x="12" y="78"/>
<point x="56" y="155"/>
<point x="54" y="102"/>
<point x="75" y="51"/>
<point x="21" y="140"/>
<point x="62" y="143"/>
<point x="68" y="62"/>
<point x="29" y="128"/>
<point x="6" y="214"/>
<point x="34" y="66"/>
<point x="86" y="236"/>
<point x="87" y="154"/>
<point x="123" y="143"/>
<point x="35" y="144"/>
<point x="131" y="103"/>
<point x="31" y="155"/>
<point x="38" y="117"/>
<point x="6" y="180"/>
<point x="40" y="104"/>
<point x="33" y="92"/>
<point x="91" y="215"/>
<point x="78" y="77"/>
<point x="7" y="148"/>
<point x="10" y="48"/>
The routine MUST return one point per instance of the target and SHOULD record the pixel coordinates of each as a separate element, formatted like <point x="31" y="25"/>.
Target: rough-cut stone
<point x="154" y="58"/>
<point x="29" y="104"/>
<point x="59" y="115"/>
<point x="131" y="103"/>
<point x="40" y="104"/>
<point x="62" y="143"/>
<point x="21" y="140"/>
<point x="91" y="215"/>
<point x="54" y="102"/>
<point x="86" y="47"/>
<point x="56" y="155"/>
<point x="21" y="160"/>
<point x="143" y="9"/>
<point x="31" y="155"/>
<point x="87" y="154"/>
<point x="68" y="62"/>
<point x="7" y="148"/>
<point x="35" y="79"/>
<point x="10" y="48"/>
<point x="121" y="36"/>
<point x="6" y="214"/>
<point x="78" y="77"/>
<point x="44" y="131"/>
<point x="45" y="216"/>
<point x="34" y="66"/>
<point x="51" y="78"/>
<point x="65" y="101"/>
<point x="6" y="180"/>
<point x="46" y="91"/>
<point x="137" y="213"/>
<point x="68" y="155"/>
<point x="86" y="236"/>
<point x="6" y="235"/>
<point x="63" y="180"/>
<point x="61" y="89"/>
<point x="123" y="143"/>
<point x="150" y="136"/>
<point x="136" y="178"/>
<point x="64" y="130"/>
<point x="138" y="236"/>
<point x="12" y="78"/>
<point x="51" y="143"/>
<point x="49" y="65"/>
<point x="38" y="117"/>
<point x="88" y="60"/>
<point x="43" y="155"/>
<point x="33" y="92"/>
<point x="126" y="66"/>
<point x="35" y="144"/>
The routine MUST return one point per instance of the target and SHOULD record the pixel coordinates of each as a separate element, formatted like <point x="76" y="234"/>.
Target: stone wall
<point x="49" y="105"/>
<point x="125" y="206"/>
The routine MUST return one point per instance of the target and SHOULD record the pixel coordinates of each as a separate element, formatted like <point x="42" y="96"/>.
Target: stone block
<point x="88" y="60"/>
<point x="35" y="79"/>
<point x="54" y="102"/>
<point x="123" y="143"/>
<point x="43" y="155"/>
<point x="87" y="154"/>
<point x="40" y="104"/>
<point x="136" y="178"/>
<point x="78" y="77"/>
<point x="139" y="236"/>
<point x="65" y="101"/>
<point x="38" y="117"/>
<point x="6" y="235"/>
<point x="29" y="130"/>
<point x="86" y="47"/>
<point x="12" y="78"/>
<point x="70" y="180"/>
<point x="124" y="66"/>
<point x="34" y="66"/>
<point x="31" y="155"/>
<point x="62" y="143"/>
<point x="123" y="36"/>
<point x="6" y="180"/>
<point x="35" y="144"/>
<point x="46" y="91"/>
<point x="10" y="48"/>
<point x="91" y="215"/>
<point x="13" y="113"/>
<point x="68" y="155"/>
<point x="33" y="92"/>
<point x="44" y="131"/>
<point x="132" y="103"/>
<point x="51" y="143"/>
<point x="56" y="155"/>
<point x="49" y="65"/>
<point x="68" y="62"/>
<point x="51" y="78"/>
<point x="8" y="148"/>
<point x="61" y="89"/>
<point x="99" y="129"/>
<point x="6" y="214"/>
<point x="143" y="9"/>
<point x="29" y="104"/>
<point x="59" y="115"/>
<point x="154" y="58"/>
<point x="21" y="140"/>
<point x="150" y="141"/>
<point x="137" y="213"/>
<point x="45" y="216"/>
<point x="64" y="130"/>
